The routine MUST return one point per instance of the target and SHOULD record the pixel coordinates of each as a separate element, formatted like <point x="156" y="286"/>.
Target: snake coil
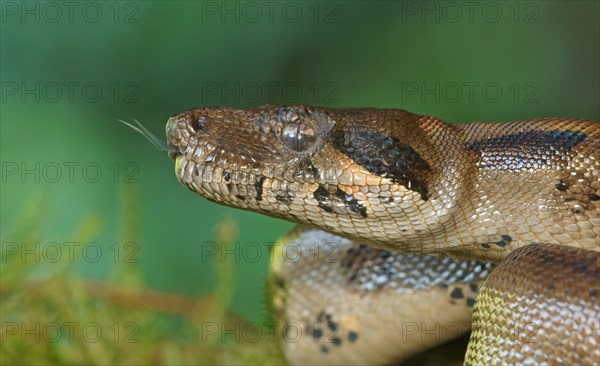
<point x="410" y="216"/>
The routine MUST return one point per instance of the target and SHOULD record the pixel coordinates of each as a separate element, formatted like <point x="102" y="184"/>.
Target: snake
<point x="412" y="232"/>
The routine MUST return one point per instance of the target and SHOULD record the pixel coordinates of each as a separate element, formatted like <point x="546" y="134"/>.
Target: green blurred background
<point x="69" y="72"/>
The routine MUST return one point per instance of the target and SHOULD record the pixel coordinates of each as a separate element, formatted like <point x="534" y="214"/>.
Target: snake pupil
<point x="298" y="136"/>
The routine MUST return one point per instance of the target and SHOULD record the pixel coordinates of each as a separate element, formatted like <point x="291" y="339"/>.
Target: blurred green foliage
<point x="67" y="77"/>
<point x="62" y="318"/>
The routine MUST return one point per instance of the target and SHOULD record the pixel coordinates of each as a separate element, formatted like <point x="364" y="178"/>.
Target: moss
<point x="62" y="318"/>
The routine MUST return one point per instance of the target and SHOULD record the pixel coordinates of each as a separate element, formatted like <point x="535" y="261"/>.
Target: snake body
<point x="414" y="212"/>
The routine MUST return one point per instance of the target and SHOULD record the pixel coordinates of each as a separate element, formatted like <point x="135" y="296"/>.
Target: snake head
<point x="259" y="159"/>
<point x="341" y="169"/>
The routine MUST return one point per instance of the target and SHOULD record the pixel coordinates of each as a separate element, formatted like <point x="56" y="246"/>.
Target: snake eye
<point x="298" y="136"/>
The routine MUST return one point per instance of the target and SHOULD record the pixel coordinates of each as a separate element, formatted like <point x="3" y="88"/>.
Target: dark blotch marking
<point x="315" y="332"/>
<point x="226" y="175"/>
<point x="523" y="150"/>
<point x="506" y="239"/>
<point x="332" y="325"/>
<point x="531" y="141"/>
<point x="227" y="180"/>
<point x="259" y="187"/>
<point x="470" y="302"/>
<point x="385" y="156"/>
<point x="503" y="242"/>
<point x="196" y="170"/>
<point x="323" y="198"/>
<point x="385" y="255"/>
<point x="561" y="186"/>
<point x="354" y="255"/>
<point x="285" y="199"/>
<point x="352" y="336"/>
<point x="593" y="197"/>
<point x="239" y="196"/>
<point x="386" y="199"/>
<point x="473" y="287"/>
<point x="352" y="203"/>
<point x="306" y="165"/>
<point x="457" y="293"/>
<point x="380" y="262"/>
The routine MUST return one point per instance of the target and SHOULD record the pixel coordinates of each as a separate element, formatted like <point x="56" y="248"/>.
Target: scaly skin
<point x="548" y="299"/>
<point x="337" y="302"/>
<point x="399" y="181"/>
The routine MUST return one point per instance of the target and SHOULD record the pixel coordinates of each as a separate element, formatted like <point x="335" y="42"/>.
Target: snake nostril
<point x="200" y="123"/>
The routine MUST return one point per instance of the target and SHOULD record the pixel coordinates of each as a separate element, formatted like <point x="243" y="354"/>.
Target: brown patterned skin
<point x="551" y="316"/>
<point x="444" y="191"/>
<point x="336" y="302"/>
<point x="398" y="181"/>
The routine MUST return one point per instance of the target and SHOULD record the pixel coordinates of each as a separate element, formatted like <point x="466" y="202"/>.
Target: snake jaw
<point x="173" y="154"/>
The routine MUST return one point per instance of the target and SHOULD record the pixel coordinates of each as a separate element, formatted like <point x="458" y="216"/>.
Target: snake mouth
<point x="173" y="152"/>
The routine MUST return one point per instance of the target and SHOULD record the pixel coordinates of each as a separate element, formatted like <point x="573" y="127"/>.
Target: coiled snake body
<point x="402" y="219"/>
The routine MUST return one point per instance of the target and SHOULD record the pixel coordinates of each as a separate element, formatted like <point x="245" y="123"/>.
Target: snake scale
<point x="412" y="231"/>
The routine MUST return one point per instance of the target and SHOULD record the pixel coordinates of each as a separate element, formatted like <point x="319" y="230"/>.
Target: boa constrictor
<point x="411" y="227"/>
